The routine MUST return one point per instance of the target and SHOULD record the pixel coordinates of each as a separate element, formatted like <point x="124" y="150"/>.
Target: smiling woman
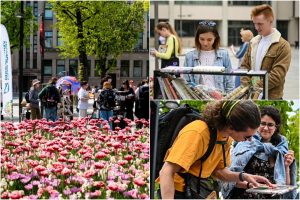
<point x="269" y="157"/>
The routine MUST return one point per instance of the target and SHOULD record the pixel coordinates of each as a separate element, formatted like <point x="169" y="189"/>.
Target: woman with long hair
<point x="266" y="155"/>
<point x="209" y="53"/>
<point x="173" y="45"/>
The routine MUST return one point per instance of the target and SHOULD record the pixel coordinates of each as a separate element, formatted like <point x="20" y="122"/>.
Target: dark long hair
<point x="205" y="28"/>
<point x="275" y="115"/>
<point x="239" y="116"/>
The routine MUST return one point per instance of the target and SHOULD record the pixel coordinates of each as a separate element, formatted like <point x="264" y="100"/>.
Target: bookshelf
<point x="168" y="83"/>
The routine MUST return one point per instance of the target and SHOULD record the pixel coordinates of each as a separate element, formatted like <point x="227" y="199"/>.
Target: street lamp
<point x="21" y="16"/>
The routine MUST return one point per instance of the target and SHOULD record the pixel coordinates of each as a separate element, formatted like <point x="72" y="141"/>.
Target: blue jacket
<point x="224" y="83"/>
<point x="244" y="151"/>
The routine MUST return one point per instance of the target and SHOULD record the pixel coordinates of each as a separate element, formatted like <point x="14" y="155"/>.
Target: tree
<point x="104" y="29"/>
<point x="9" y="12"/>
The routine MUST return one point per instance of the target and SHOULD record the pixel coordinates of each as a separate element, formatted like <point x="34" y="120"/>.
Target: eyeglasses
<point x="269" y="125"/>
<point x="247" y="137"/>
<point x="207" y="23"/>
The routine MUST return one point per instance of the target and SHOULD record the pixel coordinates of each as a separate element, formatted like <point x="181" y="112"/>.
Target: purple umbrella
<point x="69" y="80"/>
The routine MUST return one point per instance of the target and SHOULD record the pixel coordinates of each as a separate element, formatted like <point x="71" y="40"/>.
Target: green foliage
<point x="108" y="28"/>
<point x="9" y="11"/>
<point x="293" y="134"/>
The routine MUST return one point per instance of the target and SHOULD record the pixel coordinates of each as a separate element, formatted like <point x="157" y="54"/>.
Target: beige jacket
<point x="276" y="60"/>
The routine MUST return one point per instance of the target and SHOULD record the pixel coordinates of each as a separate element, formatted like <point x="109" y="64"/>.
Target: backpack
<point x="27" y="97"/>
<point x="169" y="127"/>
<point x="106" y="100"/>
<point x="144" y="93"/>
<point x="51" y="98"/>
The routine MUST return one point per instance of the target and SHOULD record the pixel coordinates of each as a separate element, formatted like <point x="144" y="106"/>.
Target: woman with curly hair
<point x="236" y="120"/>
<point x="266" y="155"/>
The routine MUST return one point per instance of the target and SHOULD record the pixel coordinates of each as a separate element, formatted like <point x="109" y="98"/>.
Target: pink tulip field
<point x="81" y="159"/>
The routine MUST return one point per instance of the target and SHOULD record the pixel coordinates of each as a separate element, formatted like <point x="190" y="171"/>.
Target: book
<point x="280" y="189"/>
<point x="171" y="89"/>
<point x="167" y="89"/>
<point x="161" y="87"/>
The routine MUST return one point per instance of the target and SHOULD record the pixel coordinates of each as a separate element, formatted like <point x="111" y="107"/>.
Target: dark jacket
<point x="49" y="96"/>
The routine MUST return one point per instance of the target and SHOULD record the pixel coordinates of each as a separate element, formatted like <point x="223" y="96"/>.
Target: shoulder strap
<point x="211" y="145"/>
<point x="173" y="53"/>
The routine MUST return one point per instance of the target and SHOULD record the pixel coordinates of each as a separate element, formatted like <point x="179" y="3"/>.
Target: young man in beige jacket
<point x="268" y="51"/>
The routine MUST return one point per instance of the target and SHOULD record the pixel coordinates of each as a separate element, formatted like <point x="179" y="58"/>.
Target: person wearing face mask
<point x="173" y="45"/>
<point x="267" y="51"/>
<point x="208" y="53"/>
<point x="266" y="155"/>
<point x="233" y="120"/>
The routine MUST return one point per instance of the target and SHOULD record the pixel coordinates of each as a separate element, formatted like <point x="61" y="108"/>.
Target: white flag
<point x="6" y="72"/>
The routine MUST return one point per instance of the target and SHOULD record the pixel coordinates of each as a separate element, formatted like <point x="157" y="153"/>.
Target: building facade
<point x="132" y="65"/>
<point x="230" y="17"/>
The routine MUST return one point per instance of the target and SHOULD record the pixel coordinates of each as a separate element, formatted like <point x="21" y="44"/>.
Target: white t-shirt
<point x="83" y="97"/>
<point x="263" y="46"/>
<point x="207" y="58"/>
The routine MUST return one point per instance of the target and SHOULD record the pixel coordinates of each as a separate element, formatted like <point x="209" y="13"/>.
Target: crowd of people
<point x="127" y="101"/>
<point x="266" y="51"/>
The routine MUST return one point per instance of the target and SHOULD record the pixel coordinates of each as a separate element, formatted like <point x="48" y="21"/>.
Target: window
<point x="147" y="69"/>
<point x="137" y="68"/>
<point x="139" y="44"/>
<point x="34" y="61"/>
<point x="35" y="9"/>
<point x="48" y="67"/>
<point x="282" y="27"/>
<point x="247" y="3"/>
<point x="234" y="28"/>
<point x="124" y="68"/>
<point x="73" y="66"/>
<point x="60" y="67"/>
<point x="48" y="39"/>
<point x="59" y="40"/>
<point x="207" y="3"/>
<point x="35" y="44"/>
<point x="48" y="11"/>
<point x="98" y="64"/>
<point x="186" y="28"/>
<point x="27" y="66"/>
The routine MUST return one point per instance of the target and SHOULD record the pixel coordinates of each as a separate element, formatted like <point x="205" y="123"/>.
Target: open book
<point x="279" y="189"/>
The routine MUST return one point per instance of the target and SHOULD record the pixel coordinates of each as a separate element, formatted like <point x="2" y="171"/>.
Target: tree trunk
<point x="102" y="66"/>
<point x="82" y="48"/>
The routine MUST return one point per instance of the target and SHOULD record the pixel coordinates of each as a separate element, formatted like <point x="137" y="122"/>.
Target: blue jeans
<point x="50" y="113"/>
<point x="106" y="114"/>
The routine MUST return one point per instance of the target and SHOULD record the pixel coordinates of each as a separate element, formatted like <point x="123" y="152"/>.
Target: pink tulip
<point x="17" y="194"/>
<point x="99" y="165"/>
<point x="100" y="155"/>
<point x="40" y="168"/>
<point x="139" y="181"/>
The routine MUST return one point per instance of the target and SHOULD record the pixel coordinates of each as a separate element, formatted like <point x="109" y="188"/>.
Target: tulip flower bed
<point x="76" y="160"/>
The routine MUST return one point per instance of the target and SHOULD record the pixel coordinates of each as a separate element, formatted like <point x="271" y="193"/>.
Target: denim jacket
<point x="244" y="151"/>
<point x="224" y="83"/>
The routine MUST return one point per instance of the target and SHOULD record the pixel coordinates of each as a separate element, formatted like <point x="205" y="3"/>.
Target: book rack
<point x="169" y="85"/>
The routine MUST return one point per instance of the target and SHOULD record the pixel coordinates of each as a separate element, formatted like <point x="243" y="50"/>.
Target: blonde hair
<point x="247" y="35"/>
<point x="168" y="26"/>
